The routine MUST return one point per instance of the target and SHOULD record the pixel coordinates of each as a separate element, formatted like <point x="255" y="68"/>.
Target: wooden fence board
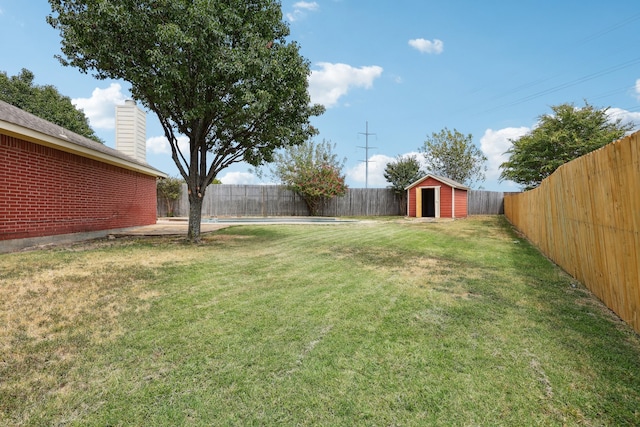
<point x="485" y="202"/>
<point x="586" y="218"/>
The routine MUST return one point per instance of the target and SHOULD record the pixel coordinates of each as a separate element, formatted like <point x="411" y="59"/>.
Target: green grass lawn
<point x="375" y="324"/>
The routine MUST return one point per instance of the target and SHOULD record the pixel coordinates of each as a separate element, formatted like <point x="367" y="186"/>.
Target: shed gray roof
<point x="449" y="182"/>
<point x="22" y="124"/>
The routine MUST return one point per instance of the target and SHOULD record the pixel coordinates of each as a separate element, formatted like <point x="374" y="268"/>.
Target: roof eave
<point x="441" y="179"/>
<point x="36" y="137"/>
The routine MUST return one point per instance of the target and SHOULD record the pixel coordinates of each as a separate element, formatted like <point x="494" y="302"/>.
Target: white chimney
<point x="131" y="130"/>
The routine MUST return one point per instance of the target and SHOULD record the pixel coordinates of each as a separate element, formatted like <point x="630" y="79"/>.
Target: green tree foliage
<point x="45" y="102"/>
<point x="452" y="155"/>
<point x="311" y="170"/>
<point x="220" y="72"/>
<point x="568" y="133"/>
<point x="400" y="173"/>
<point x="170" y="190"/>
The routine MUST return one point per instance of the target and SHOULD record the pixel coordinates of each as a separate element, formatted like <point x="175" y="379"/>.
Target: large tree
<point x="400" y="173"/>
<point x="453" y="155"/>
<point x="568" y="133"/>
<point x="313" y="171"/>
<point x="45" y="102"/>
<point x="220" y="72"/>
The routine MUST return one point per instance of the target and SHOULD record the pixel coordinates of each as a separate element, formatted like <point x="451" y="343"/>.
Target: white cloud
<point x="427" y="46"/>
<point x="160" y="145"/>
<point x="626" y="116"/>
<point x="377" y="164"/>
<point x="494" y="144"/>
<point x="333" y="81"/>
<point x="637" y="88"/>
<point x="307" y="5"/>
<point x="101" y="107"/>
<point x="300" y="10"/>
<point x="239" y="178"/>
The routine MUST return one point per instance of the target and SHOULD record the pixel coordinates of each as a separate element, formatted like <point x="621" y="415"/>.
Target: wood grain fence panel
<point x="277" y="200"/>
<point x="364" y="202"/>
<point x="586" y="218"/>
<point x="485" y="202"/>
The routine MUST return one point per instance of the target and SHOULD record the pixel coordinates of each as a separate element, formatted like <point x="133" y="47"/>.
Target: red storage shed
<point x="437" y="197"/>
<point x="54" y="182"/>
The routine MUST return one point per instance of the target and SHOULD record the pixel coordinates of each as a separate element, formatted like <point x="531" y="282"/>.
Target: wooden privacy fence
<point x="277" y="200"/>
<point x="485" y="202"/>
<point x="586" y="218"/>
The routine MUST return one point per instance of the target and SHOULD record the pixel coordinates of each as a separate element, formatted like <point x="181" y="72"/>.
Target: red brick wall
<point x="44" y="191"/>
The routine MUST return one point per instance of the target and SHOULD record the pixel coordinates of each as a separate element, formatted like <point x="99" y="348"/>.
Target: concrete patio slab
<point x="166" y="227"/>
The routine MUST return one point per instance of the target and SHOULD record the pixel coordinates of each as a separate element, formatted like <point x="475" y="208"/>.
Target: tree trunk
<point x="169" y="207"/>
<point x="312" y="205"/>
<point x="402" y="201"/>
<point x="195" y="217"/>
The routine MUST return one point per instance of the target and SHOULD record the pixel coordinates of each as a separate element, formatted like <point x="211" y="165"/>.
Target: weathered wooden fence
<point x="586" y="218"/>
<point x="485" y="202"/>
<point x="277" y="200"/>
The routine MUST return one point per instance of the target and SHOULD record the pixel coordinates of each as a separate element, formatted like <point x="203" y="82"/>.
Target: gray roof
<point x="67" y="139"/>
<point x="449" y="182"/>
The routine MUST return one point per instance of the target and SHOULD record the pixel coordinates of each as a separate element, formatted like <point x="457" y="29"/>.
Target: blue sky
<point x="407" y="68"/>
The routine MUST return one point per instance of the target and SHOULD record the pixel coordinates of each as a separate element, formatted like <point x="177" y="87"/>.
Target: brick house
<point x="54" y="182"/>
<point x="437" y="197"/>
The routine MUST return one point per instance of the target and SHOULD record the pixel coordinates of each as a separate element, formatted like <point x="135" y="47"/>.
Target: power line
<point x="565" y="85"/>
<point x="608" y="30"/>
<point x="627" y="89"/>
<point x="568" y="47"/>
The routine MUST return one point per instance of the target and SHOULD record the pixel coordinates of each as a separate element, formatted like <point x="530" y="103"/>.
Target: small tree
<point x="170" y="190"/>
<point x="567" y="134"/>
<point x="45" y="102"/>
<point x="313" y="171"/>
<point x="454" y="156"/>
<point x="400" y="173"/>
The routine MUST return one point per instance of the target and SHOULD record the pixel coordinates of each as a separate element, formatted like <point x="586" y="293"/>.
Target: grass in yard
<point x="374" y="323"/>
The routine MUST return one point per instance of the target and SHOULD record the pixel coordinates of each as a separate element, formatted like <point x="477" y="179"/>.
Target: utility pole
<point x="366" y="155"/>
